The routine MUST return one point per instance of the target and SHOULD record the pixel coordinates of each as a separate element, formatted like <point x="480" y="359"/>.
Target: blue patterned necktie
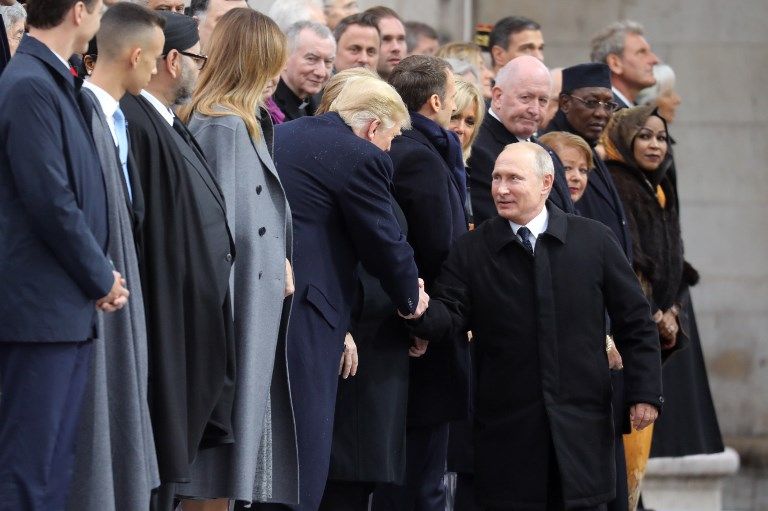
<point x="525" y="234"/>
<point x="122" y="147"/>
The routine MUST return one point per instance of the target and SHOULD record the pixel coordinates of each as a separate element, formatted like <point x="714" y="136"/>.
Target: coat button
<point x="258" y="190"/>
<point x="661" y="399"/>
<point x="262" y="230"/>
<point x="229" y="258"/>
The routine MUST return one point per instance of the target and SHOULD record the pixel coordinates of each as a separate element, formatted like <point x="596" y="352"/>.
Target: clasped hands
<point x="668" y="327"/>
<point x="117" y="296"/>
<point x="422" y="306"/>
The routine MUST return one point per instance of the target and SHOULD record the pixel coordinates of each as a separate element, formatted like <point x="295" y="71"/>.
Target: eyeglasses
<point x="200" y="60"/>
<point x="593" y="104"/>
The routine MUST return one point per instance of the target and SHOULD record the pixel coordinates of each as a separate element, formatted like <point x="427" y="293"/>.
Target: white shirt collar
<point x="163" y="110"/>
<point x="63" y="61"/>
<point x="536" y="226"/>
<point x="622" y="97"/>
<point x="495" y="116"/>
<point x="108" y="104"/>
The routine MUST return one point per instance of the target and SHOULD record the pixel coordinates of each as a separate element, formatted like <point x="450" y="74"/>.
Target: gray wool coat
<point x="262" y="464"/>
<point x="116" y="467"/>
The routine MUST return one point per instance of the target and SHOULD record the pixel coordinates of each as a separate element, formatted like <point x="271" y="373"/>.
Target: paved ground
<point x="747" y="491"/>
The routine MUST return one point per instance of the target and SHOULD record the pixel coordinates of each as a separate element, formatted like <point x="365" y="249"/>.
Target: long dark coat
<point x="491" y="140"/>
<point x="186" y="258"/>
<point x="432" y="201"/>
<point x="543" y="378"/>
<point x="338" y="186"/>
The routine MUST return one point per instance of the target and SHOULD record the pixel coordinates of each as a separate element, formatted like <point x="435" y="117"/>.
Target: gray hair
<point x="461" y="67"/>
<point x="288" y="12"/>
<point x="542" y="161"/>
<point x="611" y="39"/>
<point x="12" y="14"/>
<point x="294" y="32"/>
<point x="665" y="80"/>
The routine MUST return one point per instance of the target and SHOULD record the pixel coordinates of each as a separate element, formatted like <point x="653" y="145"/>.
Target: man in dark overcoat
<point x="338" y="185"/>
<point x="533" y="285"/>
<point x="430" y="186"/>
<point x="54" y="271"/>
<point x="520" y="98"/>
<point x="186" y="256"/>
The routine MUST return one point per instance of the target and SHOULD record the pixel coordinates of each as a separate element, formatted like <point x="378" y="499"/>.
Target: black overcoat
<point x="543" y="381"/>
<point x="186" y="258"/>
<point x="491" y="140"/>
<point x="338" y="186"/>
<point x="432" y="201"/>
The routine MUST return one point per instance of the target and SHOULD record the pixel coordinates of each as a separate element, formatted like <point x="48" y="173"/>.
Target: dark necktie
<point x="525" y="234"/>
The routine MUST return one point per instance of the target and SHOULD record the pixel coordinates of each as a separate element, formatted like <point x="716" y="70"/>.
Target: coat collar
<point x="501" y="233"/>
<point x="497" y="130"/>
<point x="40" y="51"/>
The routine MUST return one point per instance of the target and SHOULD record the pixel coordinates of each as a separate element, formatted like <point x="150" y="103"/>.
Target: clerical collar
<point x="163" y="110"/>
<point x="622" y="97"/>
<point x="493" y="114"/>
<point x="537" y="225"/>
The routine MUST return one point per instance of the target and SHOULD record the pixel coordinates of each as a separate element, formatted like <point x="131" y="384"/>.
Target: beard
<point x="186" y="85"/>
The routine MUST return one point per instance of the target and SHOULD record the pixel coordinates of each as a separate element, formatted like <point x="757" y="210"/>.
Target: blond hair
<point x="467" y="93"/>
<point x="337" y="82"/>
<point x="558" y="140"/>
<point x="367" y="99"/>
<point x="468" y="52"/>
<point x="247" y="49"/>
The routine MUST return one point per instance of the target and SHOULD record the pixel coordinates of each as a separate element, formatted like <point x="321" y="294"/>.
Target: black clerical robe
<point x="290" y="104"/>
<point x="186" y="258"/>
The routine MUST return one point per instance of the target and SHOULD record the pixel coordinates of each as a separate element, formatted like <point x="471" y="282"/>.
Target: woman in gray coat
<point x="225" y="116"/>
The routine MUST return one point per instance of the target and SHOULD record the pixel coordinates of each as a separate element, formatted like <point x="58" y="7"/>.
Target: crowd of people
<point x="324" y="259"/>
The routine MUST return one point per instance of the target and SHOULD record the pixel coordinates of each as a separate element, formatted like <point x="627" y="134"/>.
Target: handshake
<point x="421" y="308"/>
<point x="117" y="297"/>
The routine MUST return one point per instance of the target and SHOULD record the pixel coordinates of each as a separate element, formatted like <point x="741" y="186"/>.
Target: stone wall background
<point x="719" y="50"/>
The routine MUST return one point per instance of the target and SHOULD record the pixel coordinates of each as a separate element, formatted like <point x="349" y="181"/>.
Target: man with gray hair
<point x="14" y="17"/>
<point x="533" y="285"/>
<point x="287" y="13"/>
<point x="310" y="63"/>
<point x="623" y="47"/>
<point x="207" y="13"/>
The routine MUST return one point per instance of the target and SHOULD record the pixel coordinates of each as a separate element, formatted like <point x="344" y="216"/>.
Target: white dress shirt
<point x="109" y="105"/>
<point x="163" y="110"/>
<point x="536" y="226"/>
<point x="623" y="97"/>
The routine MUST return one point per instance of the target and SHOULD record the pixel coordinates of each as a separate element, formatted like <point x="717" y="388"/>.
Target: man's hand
<point x="117" y="297"/>
<point x="289" y="282"/>
<point x="643" y="415"/>
<point x="418" y="348"/>
<point x="421" y="308"/>
<point x="348" y="363"/>
<point x="614" y="357"/>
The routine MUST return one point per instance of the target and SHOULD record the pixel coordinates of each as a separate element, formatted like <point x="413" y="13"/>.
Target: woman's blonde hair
<point x="467" y="93"/>
<point x="247" y="49"/>
<point x="557" y="140"/>
<point x="367" y="99"/>
<point x="335" y="84"/>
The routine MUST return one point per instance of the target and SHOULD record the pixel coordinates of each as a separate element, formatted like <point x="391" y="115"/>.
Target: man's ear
<point x="173" y="63"/>
<point x="565" y="103"/>
<point x="549" y="179"/>
<point x="434" y="103"/>
<point x="496" y="93"/>
<point x="370" y="133"/>
<point x="78" y="11"/>
<point x="497" y="54"/>
<point x="615" y="63"/>
<point x="135" y="57"/>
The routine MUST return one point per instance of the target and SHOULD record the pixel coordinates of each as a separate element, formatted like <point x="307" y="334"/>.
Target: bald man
<point x="520" y="98"/>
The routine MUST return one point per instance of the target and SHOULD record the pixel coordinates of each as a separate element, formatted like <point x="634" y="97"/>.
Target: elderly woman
<point x="638" y="155"/>
<point x="227" y="117"/>
<point x="662" y="94"/>
<point x="576" y="156"/>
<point x="473" y="54"/>
<point x="14" y="18"/>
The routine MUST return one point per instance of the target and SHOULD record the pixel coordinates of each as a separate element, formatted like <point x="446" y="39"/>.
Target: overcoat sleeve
<point x="35" y="148"/>
<point x="366" y="207"/>
<point x="450" y="306"/>
<point x="425" y="200"/>
<point x="634" y="331"/>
